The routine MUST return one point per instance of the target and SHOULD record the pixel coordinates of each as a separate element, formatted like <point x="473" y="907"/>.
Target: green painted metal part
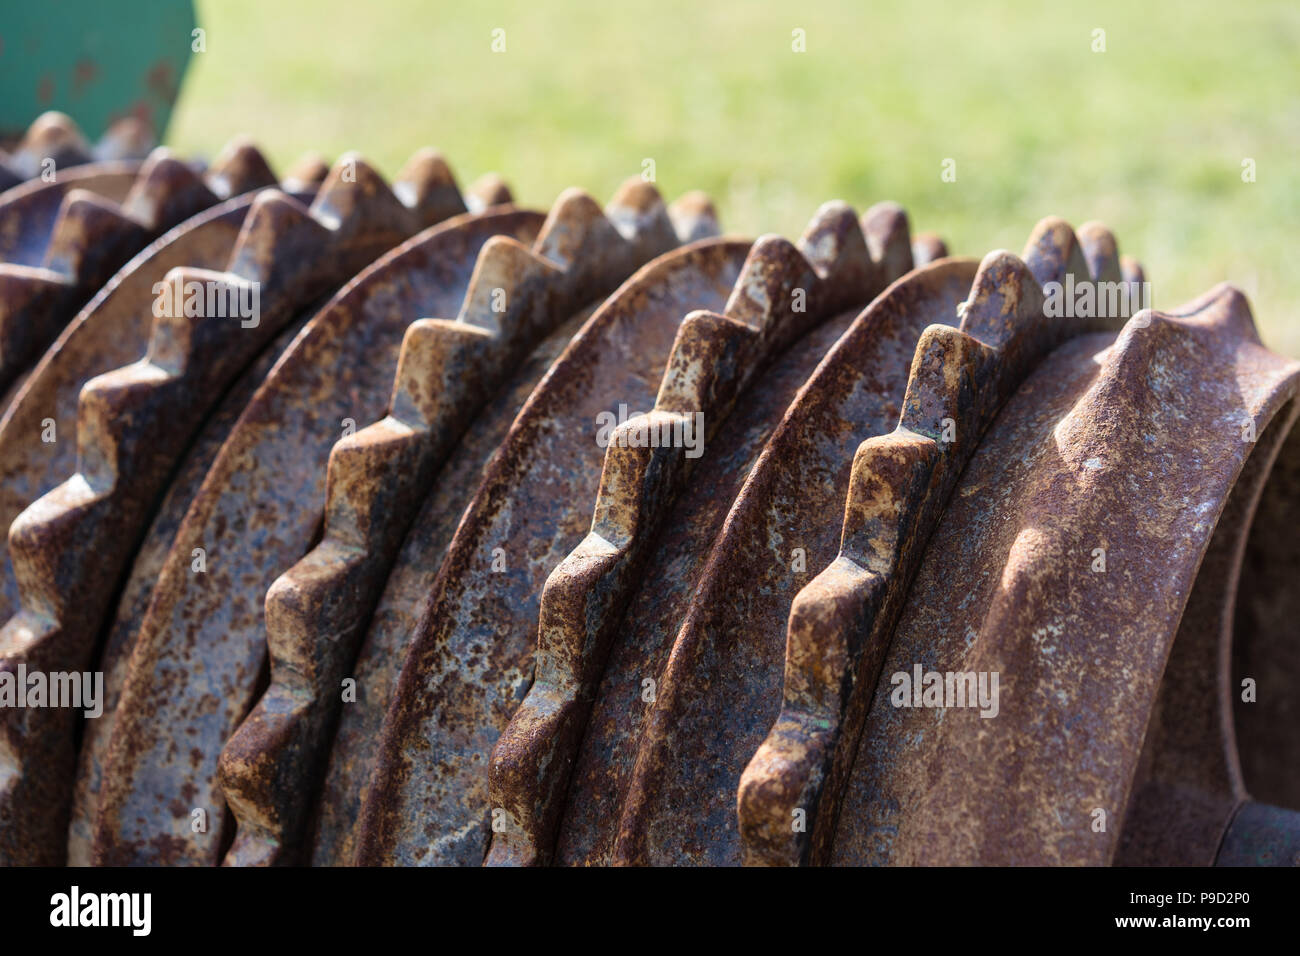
<point x="93" y="60"/>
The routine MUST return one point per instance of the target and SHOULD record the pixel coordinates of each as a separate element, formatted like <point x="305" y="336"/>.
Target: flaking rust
<point x="1067" y="562"/>
<point x="29" y="211"/>
<point x="783" y="296"/>
<point x="267" y="481"/>
<point x="93" y="236"/>
<point x="521" y="517"/>
<point x="39" y="420"/>
<point x="353" y="754"/>
<point x="354" y="218"/>
<point x="414" y="643"/>
<point x="53" y="142"/>
<point x="840" y="623"/>
<point x="447" y="371"/>
<point x="601" y="796"/>
<point x="718" y="677"/>
<point x="332" y="370"/>
<point x="71" y="547"/>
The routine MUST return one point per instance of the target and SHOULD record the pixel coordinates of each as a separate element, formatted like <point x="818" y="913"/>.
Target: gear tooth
<point x="378" y="476"/>
<point x="279" y="238"/>
<point x="1100" y="251"/>
<point x="1117" y="295"/>
<point x="837" y="249"/>
<point x="574" y="225"/>
<point x="240" y="167"/>
<point x="429" y="348"/>
<point x="51" y="520"/>
<point x="778" y="296"/>
<point x="91" y="235"/>
<point x="128" y="138"/>
<point x="577" y="232"/>
<point x="427" y="170"/>
<point x="703" y="338"/>
<point x="1132" y="270"/>
<point x="1053" y="252"/>
<point x="1223" y="305"/>
<point x="426" y="184"/>
<point x="890" y="477"/>
<point x="928" y="247"/>
<point x="1003" y="298"/>
<point x="900" y="485"/>
<point x="694" y="217"/>
<point x="889" y="239"/>
<point x="355" y="199"/>
<point x="634" y="199"/>
<point x="1214" y="323"/>
<point x="51" y="130"/>
<point x="136" y="421"/>
<point x="945" y="383"/>
<point x="638" y="212"/>
<point x="178" y="339"/>
<point x="52" y="135"/>
<point x="764" y="297"/>
<point x="487" y="191"/>
<point x="1068" y="269"/>
<point x="309" y="171"/>
<point x="166" y="192"/>
<point x="505" y="277"/>
<point x="1149" y="335"/>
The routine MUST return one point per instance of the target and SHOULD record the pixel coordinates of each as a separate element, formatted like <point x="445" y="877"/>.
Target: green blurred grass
<point x="1148" y="136"/>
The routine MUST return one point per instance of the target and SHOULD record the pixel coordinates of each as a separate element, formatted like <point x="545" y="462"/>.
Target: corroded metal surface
<point x="484" y="593"/>
<point x="516" y="298"/>
<point x="841" y="621"/>
<point x="179" y="644"/>
<point x="321" y="369"/>
<point x="92" y="237"/>
<point x="28" y="212"/>
<point x="718" y="678"/>
<point x="414" y="643"/>
<point x="70" y="548"/>
<point x="39" y="421"/>
<point x="353" y="754"/>
<point x="783" y="294"/>
<point x="146" y="570"/>
<point x="268" y="481"/>
<point x="1260" y="835"/>
<point x="53" y="142"/>
<point x="1189" y="782"/>
<point x="1090" y="453"/>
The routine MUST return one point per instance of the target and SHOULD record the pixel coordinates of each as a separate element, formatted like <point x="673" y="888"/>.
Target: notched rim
<point x="898" y="488"/>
